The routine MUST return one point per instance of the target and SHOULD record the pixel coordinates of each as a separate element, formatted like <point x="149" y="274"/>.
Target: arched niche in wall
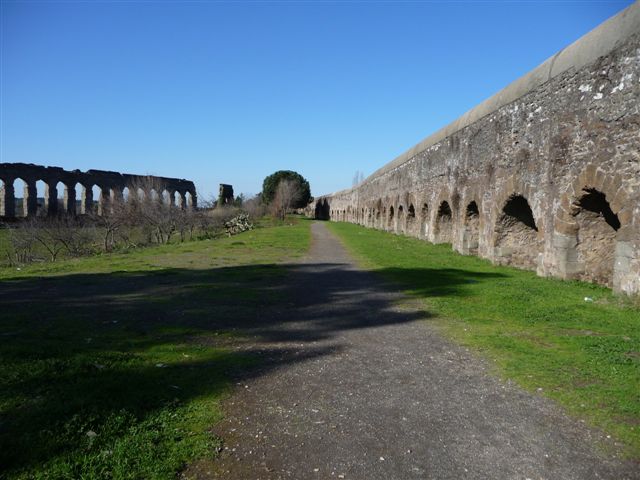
<point x="443" y="229"/>
<point x="424" y="219"/>
<point x="471" y="234"/>
<point x="411" y="218"/>
<point x="379" y="217"/>
<point x="516" y="233"/>
<point x="597" y="227"/>
<point x="595" y="237"/>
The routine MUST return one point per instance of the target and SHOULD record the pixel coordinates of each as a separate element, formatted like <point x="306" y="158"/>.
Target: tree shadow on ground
<point x="87" y="345"/>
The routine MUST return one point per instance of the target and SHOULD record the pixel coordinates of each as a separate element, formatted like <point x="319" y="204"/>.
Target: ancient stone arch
<point x="378" y="214"/>
<point x="425" y="215"/>
<point x="411" y="224"/>
<point x="400" y="222"/>
<point x="516" y="233"/>
<point x="443" y="223"/>
<point x="593" y="230"/>
<point x="471" y="228"/>
<point x="440" y="224"/>
<point x="469" y="218"/>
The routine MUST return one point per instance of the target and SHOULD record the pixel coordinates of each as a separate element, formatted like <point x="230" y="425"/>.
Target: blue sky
<point x="229" y="92"/>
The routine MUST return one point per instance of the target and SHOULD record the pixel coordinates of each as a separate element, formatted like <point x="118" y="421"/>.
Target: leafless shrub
<point x="217" y="218"/>
<point x="22" y="246"/>
<point x="188" y="221"/>
<point x="255" y="207"/>
<point x="53" y="234"/>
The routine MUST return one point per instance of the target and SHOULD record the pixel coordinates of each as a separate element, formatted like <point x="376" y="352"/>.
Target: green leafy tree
<point x="270" y="186"/>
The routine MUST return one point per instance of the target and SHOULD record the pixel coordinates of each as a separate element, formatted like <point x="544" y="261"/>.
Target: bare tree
<point x="188" y="221"/>
<point x="114" y="216"/>
<point x="208" y="203"/>
<point x="287" y="194"/>
<point x="148" y="209"/>
<point x="74" y="233"/>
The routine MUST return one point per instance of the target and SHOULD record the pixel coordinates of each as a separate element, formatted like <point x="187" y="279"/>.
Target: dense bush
<point x="298" y="182"/>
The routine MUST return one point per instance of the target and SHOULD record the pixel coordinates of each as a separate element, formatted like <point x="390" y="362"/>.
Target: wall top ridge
<point x="588" y="48"/>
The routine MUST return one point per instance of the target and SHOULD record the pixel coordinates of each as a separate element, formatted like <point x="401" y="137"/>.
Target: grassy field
<point x="113" y="366"/>
<point x="539" y="332"/>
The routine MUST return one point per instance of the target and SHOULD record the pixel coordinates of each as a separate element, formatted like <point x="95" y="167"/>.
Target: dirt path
<point x="358" y="387"/>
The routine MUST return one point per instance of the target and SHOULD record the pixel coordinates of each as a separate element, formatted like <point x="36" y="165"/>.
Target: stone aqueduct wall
<point x="111" y="184"/>
<point x="545" y="175"/>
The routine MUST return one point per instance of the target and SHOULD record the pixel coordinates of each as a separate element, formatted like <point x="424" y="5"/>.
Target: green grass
<point x="114" y="366"/>
<point x="539" y="332"/>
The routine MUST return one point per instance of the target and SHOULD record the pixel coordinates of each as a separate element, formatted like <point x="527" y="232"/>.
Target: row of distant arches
<point x="586" y="227"/>
<point x="26" y="198"/>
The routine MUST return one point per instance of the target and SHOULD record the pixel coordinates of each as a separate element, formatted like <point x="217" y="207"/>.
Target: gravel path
<point x="358" y="385"/>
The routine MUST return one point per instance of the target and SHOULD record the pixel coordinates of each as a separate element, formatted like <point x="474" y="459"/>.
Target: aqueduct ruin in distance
<point x="111" y="185"/>
<point x="544" y="175"/>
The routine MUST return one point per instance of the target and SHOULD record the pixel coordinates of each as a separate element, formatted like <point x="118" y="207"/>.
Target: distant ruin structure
<point x="544" y="175"/>
<point x="109" y="185"/>
<point x="225" y="195"/>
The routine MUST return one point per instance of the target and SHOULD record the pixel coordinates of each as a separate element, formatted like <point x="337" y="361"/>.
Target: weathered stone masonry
<point x="112" y="185"/>
<point x="544" y="175"/>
